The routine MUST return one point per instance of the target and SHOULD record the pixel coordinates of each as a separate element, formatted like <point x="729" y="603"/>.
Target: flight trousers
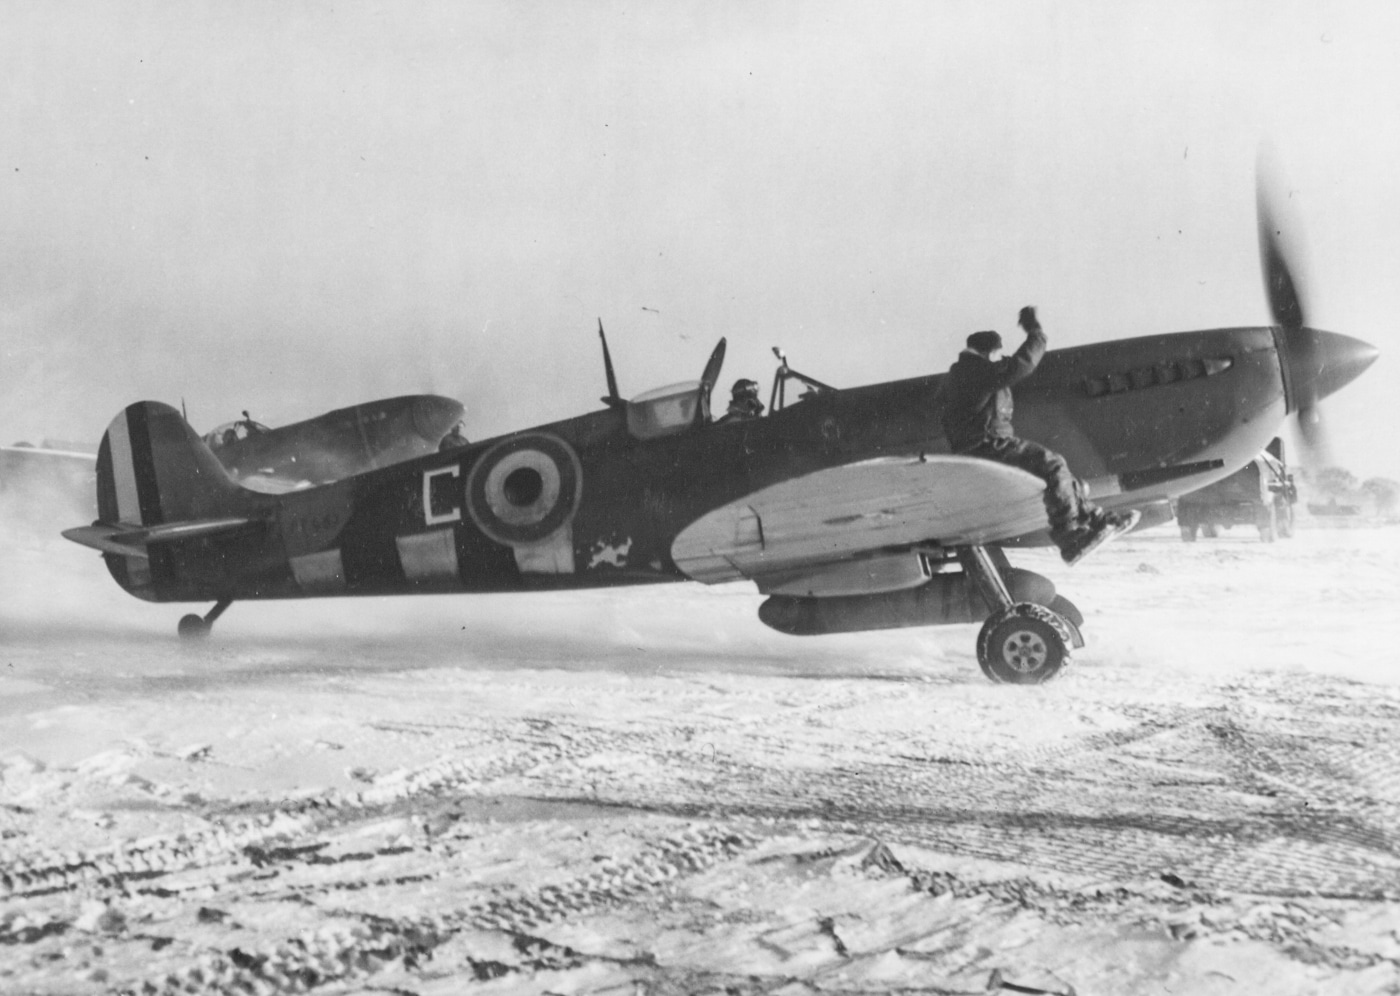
<point x="1065" y="505"/>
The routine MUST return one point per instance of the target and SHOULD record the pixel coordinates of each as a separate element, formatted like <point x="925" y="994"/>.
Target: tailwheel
<point x="192" y="627"/>
<point x="1023" y="644"/>
<point x="196" y="627"/>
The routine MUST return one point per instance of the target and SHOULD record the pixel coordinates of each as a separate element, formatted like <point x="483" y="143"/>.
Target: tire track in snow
<point x="248" y="825"/>
<point x="1177" y="910"/>
<point x="1080" y="805"/>
<point x="338" y="955"/>
<point x="1234" y="829"/>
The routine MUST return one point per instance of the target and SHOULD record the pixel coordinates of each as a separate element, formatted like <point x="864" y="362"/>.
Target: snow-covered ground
<point x="647" y="791"/>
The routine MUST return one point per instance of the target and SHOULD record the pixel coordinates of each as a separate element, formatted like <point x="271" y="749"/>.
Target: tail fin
<point x="153" y="469"/>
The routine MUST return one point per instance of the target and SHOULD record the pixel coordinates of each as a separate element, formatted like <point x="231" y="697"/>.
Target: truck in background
<point x="1261" y="494"/>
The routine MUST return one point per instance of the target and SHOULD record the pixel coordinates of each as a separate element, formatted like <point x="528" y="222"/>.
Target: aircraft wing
<point x="834" y="515"/>
<point x="270" y="484"/>
<point x="21" y="459"/>
<point x="47" y="478"/>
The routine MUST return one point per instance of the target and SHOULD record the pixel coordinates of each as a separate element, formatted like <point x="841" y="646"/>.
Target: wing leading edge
<point x="837" y="515"/>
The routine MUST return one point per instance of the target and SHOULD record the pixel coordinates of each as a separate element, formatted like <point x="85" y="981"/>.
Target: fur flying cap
<point x="984" y="342"/>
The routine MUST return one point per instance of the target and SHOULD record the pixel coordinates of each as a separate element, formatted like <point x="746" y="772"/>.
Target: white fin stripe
<point x="123" y="471"/>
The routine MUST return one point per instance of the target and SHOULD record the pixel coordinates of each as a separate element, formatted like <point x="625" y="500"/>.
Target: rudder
<point x="153" y="469"/>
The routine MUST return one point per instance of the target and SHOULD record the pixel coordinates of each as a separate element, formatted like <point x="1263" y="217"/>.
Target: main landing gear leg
<point x="193" y="627"/>
<point x="1021" y="643"/>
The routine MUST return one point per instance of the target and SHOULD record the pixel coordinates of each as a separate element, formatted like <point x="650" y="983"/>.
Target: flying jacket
<point x="977" y="403"/>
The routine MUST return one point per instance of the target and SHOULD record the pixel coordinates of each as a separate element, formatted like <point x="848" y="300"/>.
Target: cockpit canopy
<point x="233" y="432"/>
<point x="667" y="410"/>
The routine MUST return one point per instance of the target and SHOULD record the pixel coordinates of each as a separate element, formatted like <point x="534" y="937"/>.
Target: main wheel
<point x="1188" y="533"/>
<point x="1023" y="644"/>
<point x="192" y="627"/>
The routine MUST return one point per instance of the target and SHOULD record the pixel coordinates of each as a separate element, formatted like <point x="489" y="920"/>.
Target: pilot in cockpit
<point x="231" y="433"/>
<point x="743" y="402"/>
<point x="453" y="440"/>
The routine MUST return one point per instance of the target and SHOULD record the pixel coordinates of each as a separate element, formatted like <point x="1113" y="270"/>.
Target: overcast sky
<point x="293" y="207"/>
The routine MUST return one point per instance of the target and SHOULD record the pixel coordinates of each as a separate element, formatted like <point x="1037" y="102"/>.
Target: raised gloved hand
<point x="1027" y="320"/>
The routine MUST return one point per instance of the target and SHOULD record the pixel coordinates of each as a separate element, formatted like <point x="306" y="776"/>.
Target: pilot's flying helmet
<point x="744" y="386"/>
<point x="984" y="342"/>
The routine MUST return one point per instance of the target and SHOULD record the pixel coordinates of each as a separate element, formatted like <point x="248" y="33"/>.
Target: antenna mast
<point x="613" y="400"/>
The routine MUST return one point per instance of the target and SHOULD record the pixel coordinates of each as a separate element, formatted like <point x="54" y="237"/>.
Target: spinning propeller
<point x="1315" y="363"/>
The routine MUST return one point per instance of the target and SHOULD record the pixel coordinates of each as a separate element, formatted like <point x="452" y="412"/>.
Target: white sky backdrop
<point x="291" y="208"/>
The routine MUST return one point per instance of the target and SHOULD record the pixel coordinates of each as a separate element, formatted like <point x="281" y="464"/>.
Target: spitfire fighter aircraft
<point x="315" y="451"/>
<point x="844" y="506"/>
<point x="338" y="444"/>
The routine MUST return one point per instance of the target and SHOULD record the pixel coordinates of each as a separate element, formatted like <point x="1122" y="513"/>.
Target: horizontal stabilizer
<point x="132" y="542"/>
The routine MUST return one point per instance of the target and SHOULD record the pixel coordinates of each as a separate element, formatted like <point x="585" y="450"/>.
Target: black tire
<point x="192" y="627"/>
<point x="1023" y="644"/>
<point x="1188" y="533"/>
<point x="1210" y="531"/>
